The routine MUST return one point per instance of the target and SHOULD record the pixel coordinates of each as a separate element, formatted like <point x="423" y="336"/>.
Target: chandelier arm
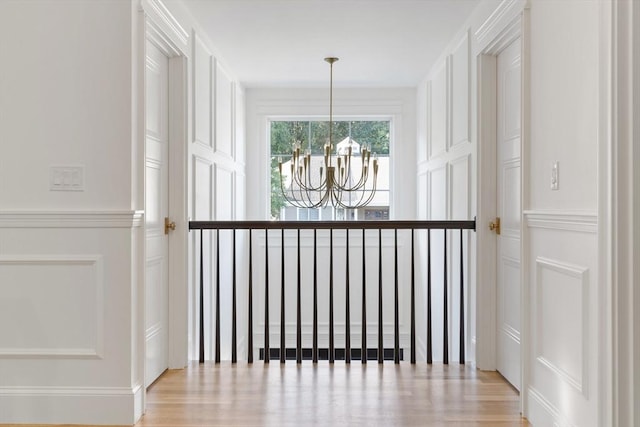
<point x="337" y="180"/>
<point x="290" y="200"/>
<point x="284" y="192"/>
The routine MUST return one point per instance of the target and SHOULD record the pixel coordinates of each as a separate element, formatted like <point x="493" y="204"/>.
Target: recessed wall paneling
<point x="202" y="181"/>
<point x="55" y="304"/>
<point x="224" y="193"/>
<point x="223" y="112"/>
<point x="459" y="176"/>
<point x="438" y="193"/>
<point x="561" y="318"/>
<point x="438" y="113"/>
<point x="460" y="99"/>
<point x="240" y="123"/>
<point x="423" y="192"/>
<point x="201" y="93"/>
<point x="423" y="126"/>
<point x="240" y="188"/>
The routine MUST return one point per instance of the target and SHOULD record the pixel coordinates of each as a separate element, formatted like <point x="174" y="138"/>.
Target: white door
<point x="156" y="209"/>
<point x="509" y="206"/>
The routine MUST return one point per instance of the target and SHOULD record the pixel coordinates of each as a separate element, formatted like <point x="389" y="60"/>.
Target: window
<point x="313" y="135"/>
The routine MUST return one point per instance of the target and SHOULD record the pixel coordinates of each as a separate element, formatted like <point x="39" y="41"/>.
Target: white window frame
<point x="395" y="104"/>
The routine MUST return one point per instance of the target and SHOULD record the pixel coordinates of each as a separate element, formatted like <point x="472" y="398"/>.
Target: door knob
<point x="495" y="225"/>
<point x="168" y="225"/>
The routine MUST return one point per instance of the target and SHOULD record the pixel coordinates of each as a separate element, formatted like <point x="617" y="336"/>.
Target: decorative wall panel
<point x="55" y="303"/>
<point x="561" y="315"/>
<point x="438" y="110"/>
<point x="223" y="112"/>
<point x="460" y="93"/>
<point x="201" y="92"/>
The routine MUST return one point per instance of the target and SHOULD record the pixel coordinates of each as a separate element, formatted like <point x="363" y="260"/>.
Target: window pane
<point x="374" y="133"/>
<point x="319" y="136"/>
<point x="315" y="134"/>
<point x="285" y="134"/>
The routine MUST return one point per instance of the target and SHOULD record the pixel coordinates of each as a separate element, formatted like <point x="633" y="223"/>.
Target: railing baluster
<point x="201" y="358"/>
<point x="413" y="301"/>
<point x="462" y="349"/>
<point x="363" y="357"/>
<point x="299" y="316"/>
<point x="315" y="297"/>
<point x="234" y="348"/>
<point x="216" y="347"/>
<point x="331" y="343"/>
<point x="267" y="356"/>
<point x="396" y="322"/>
<point x="347" y="337"/>
<point x="217" y="359"/>
<point x="429" y="335"/>
<point x="445" y="323"/>
<point x="250" y="294"/>
<point x="380" y="330"/>
<point x="283" y="349"/>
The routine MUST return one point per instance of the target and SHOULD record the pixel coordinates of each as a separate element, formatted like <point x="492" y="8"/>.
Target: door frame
<point x="157" y="25"/>
<point x="512" y="25"/>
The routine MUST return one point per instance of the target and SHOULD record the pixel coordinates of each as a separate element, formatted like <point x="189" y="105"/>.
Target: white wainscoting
<point x="66" y="281"/>
<point x="58" y="302"/>
<point x="563" y="317"/>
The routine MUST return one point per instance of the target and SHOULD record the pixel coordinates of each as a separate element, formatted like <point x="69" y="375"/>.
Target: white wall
<point x="71" y="306"/>
<point x="561" y="246"/>
<point x="67" y="259"/>
<point x="560" y="241"/>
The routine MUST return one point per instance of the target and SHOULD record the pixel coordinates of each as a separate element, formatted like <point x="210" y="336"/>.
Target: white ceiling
<point x="269" y="43"/>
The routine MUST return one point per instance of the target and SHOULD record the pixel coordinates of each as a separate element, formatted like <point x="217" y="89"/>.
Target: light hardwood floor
<point x="331" y="395"/>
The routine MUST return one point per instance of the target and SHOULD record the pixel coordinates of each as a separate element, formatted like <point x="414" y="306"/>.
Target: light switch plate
<point x="555" y="176"/>
<point x="66" y="178"/>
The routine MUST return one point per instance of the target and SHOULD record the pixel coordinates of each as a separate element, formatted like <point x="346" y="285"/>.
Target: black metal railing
<point x="264" y="226"/>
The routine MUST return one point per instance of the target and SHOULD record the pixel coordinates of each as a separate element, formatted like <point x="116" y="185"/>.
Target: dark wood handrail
<point x="333" y="225"/>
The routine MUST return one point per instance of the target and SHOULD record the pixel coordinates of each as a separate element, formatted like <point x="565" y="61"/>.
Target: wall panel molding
<point x="93" y="343"/>
<point x="580" y="276"/>
<point x="71" y="219"/>
<point x="578" y="221"/>
<point x="460" y="93"/>
<point x="202" y="98"/>
<point x="463" y="161"/>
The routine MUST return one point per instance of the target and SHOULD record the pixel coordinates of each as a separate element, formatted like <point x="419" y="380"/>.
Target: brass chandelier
<point x="341" y="186"/>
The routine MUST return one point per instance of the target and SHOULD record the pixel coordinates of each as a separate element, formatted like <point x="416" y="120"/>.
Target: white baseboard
<point x="71" y="405"/>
